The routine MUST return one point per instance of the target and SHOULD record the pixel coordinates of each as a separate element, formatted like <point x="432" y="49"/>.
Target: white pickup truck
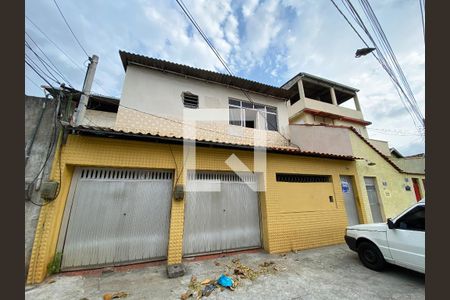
<point x="400" y="241"/>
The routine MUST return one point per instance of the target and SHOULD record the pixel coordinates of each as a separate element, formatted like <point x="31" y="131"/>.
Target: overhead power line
<point x="55" y="44"/>
<point x="33" y="82"/>
<point x="81" y="69"/>
<point x="379" y="59"/>
<point x="415" y="114"/>
<point x="422" y="14"/>
<point x="385" y="56"/>
<point x="67" y="23"/>
<point x="376" y="26"/>
<point x="47" y="66"/>
<point x="47" y="74"/>
<point x="37" y="72"/>
<point x="221" y="59"/>
<point x="393" y="132"/>
<point x="55" y="68"/>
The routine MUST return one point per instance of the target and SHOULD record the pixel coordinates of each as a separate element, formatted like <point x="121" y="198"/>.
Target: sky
<point x="267" y="41"/>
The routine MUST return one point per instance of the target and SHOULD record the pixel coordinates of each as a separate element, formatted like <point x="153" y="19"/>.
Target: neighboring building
<point x="39" y="134"/>
<point x="319" y="122"/>
<point x="120" y="170"/>
<point x="414" y="165"/>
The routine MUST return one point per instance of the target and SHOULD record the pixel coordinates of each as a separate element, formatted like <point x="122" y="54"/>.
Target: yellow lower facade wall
<point x="284" y="226"/>
<point x="297" y="226"/>
<point x="393" y="196"/>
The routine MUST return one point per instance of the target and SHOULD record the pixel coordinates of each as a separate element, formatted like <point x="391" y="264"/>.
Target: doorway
<point x="349" y="200"/>
<point x="374" y="201"/>
<point x="416" y="189"/>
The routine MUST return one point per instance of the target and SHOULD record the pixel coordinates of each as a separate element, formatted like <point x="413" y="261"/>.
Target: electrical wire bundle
<point x="385" y="55"/>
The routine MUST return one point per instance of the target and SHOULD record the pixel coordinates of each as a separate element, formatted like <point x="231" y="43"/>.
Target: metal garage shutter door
<point x="117" y="216"/>
<point x="221" y="221"/>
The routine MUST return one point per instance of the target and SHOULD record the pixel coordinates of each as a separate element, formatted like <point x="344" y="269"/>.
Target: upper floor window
<point x="190" y="100"/>
<point x="252" y="115"/>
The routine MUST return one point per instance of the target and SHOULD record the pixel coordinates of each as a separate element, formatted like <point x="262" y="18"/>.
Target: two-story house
<point x="279" y="168"/>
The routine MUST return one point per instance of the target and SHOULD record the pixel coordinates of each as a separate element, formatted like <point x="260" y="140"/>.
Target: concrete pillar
<point x="333" y="96"/>
<point x="175" y="247"/>
<point x="301" y="90"/>
<point x="355" y="98"/>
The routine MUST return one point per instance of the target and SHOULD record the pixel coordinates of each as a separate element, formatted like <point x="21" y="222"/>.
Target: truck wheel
<point x="371" y="256"/>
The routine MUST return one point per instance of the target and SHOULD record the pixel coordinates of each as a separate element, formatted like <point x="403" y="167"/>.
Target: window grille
<point x="190" y="100"/>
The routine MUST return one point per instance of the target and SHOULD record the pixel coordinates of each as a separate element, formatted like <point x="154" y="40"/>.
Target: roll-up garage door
<point x="116" y="216"/>
<point x="221" y="220"/>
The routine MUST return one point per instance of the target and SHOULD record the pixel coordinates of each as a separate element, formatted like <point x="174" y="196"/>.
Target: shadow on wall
<point x="39" y="133"/>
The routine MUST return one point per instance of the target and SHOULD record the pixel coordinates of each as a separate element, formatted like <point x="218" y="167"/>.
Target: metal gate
<point x="116" y="216"/>
<point x="223" y="220"/>
<point x="349" y="200"/>
<point x="373" y="200"/>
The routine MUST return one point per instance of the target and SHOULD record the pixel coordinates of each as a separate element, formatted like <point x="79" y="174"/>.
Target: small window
<point x="190" y="100"/>
<point x="303" y="178"/>
<point x="413" y="220"/>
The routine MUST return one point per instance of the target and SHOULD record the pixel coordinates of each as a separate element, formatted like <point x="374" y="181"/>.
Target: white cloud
<point x="249" y="7"/>
<point x="261" y="30"/>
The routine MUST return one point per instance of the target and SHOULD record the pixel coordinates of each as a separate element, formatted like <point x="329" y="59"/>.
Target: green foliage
<point x="55" y="265"/>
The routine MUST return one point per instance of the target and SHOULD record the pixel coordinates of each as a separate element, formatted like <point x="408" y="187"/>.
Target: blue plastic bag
<point x="225" y="281"/>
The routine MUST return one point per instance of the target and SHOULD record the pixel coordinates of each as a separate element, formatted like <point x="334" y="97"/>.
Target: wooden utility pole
<point x="81" y="110"/>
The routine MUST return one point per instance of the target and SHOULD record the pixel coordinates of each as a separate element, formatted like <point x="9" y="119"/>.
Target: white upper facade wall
<point x="160" y="93"/>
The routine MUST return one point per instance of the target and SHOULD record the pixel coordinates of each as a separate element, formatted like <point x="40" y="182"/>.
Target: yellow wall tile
<point x="284" y="227"/>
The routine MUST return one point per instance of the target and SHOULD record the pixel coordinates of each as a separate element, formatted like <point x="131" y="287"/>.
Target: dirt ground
<point x="324" y="273"/>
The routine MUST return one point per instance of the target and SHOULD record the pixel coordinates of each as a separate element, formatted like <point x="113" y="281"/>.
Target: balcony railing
<point x="318" y="106"/>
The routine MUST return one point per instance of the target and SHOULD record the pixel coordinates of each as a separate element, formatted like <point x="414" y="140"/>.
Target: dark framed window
<point x="246" y="114"/>
<point x="413" y="220"/>
<point x="190" y="100"/>
<point x="303" y="178"/>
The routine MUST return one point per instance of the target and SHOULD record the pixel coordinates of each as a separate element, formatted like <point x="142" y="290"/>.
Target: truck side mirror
<point x="390" y="224"/>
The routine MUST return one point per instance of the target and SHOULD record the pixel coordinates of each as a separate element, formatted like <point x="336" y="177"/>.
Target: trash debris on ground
<point x="194" y="285"/>
<point x="217" y="263"/>
<point x="207" y="281"/>
<point x="243" y="271"/>
<point x="109" y="296"/>
<point x="230" y="279"/>
<point x="267" y="264"/>
<point x="225" y="281"/>
<point x="186" y="295"/>
<point x="208" y="290"/>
